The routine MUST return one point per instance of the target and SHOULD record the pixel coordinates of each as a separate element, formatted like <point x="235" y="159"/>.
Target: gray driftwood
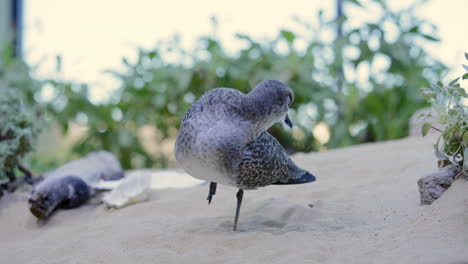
<point x="72" y="184"/>
<point x="433" y="185"/>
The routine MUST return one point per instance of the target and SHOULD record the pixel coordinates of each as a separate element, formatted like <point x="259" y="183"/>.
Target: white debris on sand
<point x="136" y="185"/>
<point x="131" y="190"/>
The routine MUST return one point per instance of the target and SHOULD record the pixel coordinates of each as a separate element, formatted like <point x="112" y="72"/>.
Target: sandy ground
<point x="364" y="208"/>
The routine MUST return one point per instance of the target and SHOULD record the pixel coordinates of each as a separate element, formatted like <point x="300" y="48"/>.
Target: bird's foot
<point x="239" y="195"/>
<point x="211" y="192"/>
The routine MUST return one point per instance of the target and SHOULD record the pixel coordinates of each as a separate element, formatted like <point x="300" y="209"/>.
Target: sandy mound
<point x="364" y="208"/>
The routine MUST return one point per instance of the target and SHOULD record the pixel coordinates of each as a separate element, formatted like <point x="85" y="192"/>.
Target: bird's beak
<point x="288" y="121"/>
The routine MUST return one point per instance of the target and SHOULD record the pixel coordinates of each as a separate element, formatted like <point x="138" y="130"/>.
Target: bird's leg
<point x="212" y="191"/>
<point x="240" y="194"/>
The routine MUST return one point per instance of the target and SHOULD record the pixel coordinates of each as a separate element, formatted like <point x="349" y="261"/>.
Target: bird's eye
<point x="290" y="100"/>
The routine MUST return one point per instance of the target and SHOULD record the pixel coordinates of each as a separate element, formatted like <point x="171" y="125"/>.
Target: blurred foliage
<point x="20" y="120"/>
<point x="363" y="84"/>
<point x="451" y="112"/>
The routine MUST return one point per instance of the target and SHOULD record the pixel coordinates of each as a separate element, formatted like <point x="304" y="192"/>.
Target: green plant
<point x="451" y="116"/>
<point x="376" y="104"/>
<point x="20" y="121"/>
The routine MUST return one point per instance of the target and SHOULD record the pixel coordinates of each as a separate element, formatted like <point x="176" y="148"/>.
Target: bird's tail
<point x="298" y="175"/>
<point x="304" y="178"/>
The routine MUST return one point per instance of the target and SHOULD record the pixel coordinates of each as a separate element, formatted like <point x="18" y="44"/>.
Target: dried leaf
<point x="438" y="154"/>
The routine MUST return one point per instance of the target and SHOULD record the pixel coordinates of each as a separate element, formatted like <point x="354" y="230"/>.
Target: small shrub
<point x="20" y="121"/>
<point x="157" y="88"/>
<point x="451" y="119"/>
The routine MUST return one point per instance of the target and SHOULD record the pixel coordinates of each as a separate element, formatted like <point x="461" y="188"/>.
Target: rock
<point x="72" y="184"/>
<point x="65" y="192"/>
<point x="93" y="168"/>
<point x="433" y="185"/>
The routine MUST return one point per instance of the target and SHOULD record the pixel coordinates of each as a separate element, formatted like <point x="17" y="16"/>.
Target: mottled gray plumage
<point x="265" y="162"/>
<point x="223" y="138"/>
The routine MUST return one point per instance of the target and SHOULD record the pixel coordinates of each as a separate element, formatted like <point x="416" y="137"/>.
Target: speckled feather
<point x="265" y="162"/>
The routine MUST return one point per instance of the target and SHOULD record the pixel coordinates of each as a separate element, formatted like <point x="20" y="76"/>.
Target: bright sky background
<point x="94" y="35"/>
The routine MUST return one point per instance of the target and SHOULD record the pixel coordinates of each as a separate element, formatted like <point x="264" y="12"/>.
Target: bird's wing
<point x="265" y="162"/>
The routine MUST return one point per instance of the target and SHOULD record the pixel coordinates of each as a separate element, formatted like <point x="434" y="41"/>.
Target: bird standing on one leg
<point x="223" y="139"/>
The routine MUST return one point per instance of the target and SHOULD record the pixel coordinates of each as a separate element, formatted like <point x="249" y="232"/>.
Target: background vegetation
<point x="360" y="85"/>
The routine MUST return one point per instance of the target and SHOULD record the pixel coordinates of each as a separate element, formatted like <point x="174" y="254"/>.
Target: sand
<point x="364" y="208"/>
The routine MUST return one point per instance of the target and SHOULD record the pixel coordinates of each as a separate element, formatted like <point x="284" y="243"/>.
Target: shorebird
<point x="223" y="139"/>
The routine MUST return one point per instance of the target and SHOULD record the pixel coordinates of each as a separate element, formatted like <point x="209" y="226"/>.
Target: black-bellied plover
<point x="223" y="139"/>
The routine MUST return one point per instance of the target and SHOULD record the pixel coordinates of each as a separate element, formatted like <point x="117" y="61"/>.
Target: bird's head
<point x="270" y="100"/>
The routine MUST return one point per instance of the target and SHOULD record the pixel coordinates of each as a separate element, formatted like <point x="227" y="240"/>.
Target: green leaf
<point x="288" y="35"/>
<point x="356" y="2"/>
<point x="463" y="92"/>
<point x="58" y="60"/>
<point x="454" y="81"/>
<point x="425" y="128"/>
<point x="465" y="140"/>
<point x="465" y="76"/>
<point x="431" y="38"/>
<point x="320" y="13"/>
<point x="466" y="56"/>
<point x="243" y="37"/>
<point x="435" y="87"/>
<point x="65" y="126"/>
<point x="421" y="115"/>
<point x="414" y="29"/>
<point x="152" y="54"/>
<point x="214" y="20"/>
<point x="382" y="3"/>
